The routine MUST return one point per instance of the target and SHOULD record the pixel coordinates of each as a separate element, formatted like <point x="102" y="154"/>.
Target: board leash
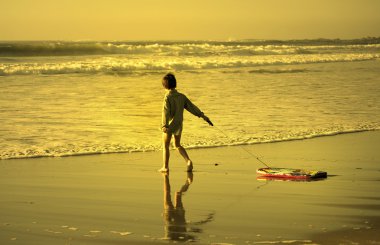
<point x="250" y="153"/>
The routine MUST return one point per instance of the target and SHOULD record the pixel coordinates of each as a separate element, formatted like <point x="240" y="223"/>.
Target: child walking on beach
<point x="172" y="120"/>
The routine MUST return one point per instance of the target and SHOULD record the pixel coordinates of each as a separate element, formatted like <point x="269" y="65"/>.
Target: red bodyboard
<point x="291" y="173"/>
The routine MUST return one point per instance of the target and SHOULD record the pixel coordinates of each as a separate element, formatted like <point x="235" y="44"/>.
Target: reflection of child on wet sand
<point x="172" y="119"/>
<point x="174" y="215"/>
<point x="176" y="227"/>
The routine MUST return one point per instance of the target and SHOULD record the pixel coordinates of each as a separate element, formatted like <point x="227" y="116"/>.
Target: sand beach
<point x="121" y="199"/>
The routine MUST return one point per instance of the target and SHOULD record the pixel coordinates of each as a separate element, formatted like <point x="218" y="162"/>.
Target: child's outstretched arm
<point x="193" y="109"/>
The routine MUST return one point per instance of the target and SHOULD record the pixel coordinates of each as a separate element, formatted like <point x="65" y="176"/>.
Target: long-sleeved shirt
<point x="172" y="111"/>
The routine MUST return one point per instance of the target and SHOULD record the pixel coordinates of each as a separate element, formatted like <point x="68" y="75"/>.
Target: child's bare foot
<point x="189" y="166"/>
<point x="163" y="170"/>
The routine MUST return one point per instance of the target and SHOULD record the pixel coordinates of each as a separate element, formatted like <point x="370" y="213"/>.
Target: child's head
<point x="169" y="81"/>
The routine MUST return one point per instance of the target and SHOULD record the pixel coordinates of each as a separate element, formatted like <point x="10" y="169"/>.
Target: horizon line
<point x="186" y="40"/>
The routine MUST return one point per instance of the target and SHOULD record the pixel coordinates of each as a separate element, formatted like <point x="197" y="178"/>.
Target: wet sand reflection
<point x="176" y="227"/>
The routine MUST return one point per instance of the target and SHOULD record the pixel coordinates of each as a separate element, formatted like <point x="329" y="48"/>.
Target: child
<point x="172" y="118"/>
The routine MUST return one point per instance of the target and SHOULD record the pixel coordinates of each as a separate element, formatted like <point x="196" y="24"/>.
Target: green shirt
<point x="172" y="111"/>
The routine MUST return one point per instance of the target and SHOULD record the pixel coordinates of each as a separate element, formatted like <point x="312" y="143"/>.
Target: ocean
<point x="74" y="98"/>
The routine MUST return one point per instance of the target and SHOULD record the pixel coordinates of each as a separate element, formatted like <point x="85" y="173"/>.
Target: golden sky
<point x="187" y="19"/>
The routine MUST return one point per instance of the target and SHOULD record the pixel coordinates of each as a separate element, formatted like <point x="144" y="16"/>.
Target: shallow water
<point x="69" y="104"/>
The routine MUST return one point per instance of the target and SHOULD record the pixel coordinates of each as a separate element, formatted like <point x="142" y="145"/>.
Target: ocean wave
<point x="72" y="150"/>
<point x="121" y="65"/>
<point x="188" y="48"/>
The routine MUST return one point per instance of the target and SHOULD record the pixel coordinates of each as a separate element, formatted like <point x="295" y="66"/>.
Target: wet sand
<point x="121" y="199"/>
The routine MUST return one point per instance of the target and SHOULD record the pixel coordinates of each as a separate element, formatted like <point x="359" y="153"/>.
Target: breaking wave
<point x="49" y="57"/>
<point x="127" y="65"/>
<point x="196" y="48"/>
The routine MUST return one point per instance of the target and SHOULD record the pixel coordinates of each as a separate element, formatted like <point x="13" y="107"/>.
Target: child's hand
<point x="208" y="120"/>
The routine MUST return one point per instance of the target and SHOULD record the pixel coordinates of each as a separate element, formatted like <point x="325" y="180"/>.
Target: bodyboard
<point x="291" y="173"/>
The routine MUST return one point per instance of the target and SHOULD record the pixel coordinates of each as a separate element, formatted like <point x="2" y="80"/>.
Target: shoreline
<point x="198" y="147"/>
<point x="120" y="198"/>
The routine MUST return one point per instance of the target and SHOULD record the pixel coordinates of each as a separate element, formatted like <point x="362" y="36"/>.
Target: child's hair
<point x="169" y="81"/>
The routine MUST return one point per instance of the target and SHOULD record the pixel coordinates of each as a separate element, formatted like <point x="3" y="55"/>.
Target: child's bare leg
<point x="182" y="151"/>
<point x="166" y="137"/>
<point x="167" y="196"/>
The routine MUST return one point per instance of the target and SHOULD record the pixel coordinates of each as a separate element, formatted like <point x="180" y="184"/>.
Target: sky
<point x="187" y="19"/>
